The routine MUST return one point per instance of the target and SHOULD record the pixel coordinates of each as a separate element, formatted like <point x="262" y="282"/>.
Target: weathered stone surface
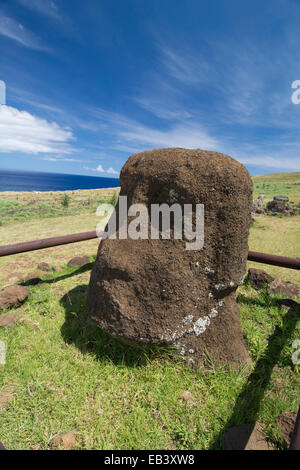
<point x="279" y="206"/>
<point x="286" y="424"/>
<point x="246" y="437"/>
<point x="156" y="291"/>
<point x="258" y="204"/>
<point x="8" y="320"/>
<point x="79" y="261"/>
<point x="258" y="278"/>
<point x="13" y="296"/>
<point x="279" y="286"/>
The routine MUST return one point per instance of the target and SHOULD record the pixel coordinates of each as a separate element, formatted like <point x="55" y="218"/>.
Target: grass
<point x="67" y="374"/>
<point x="22" y="207"/>
<point x="275" y="184"/>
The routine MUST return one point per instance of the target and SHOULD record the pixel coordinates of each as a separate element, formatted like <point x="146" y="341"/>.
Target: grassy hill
<point x="275" y="184"/>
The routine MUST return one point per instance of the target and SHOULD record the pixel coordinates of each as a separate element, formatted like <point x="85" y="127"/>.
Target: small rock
<point x="258" y="278"/>
<point x="44" y="266"/>
<point x="281" y="198"/>
<point x="57" y="269"/>
<point x="286" y="423"/>
<point x="186" y="396"/>
<point x="13" y="296"/>
<point x="245" y="437"/>
<point x="258" y="205"/>
<point x="8" y="320"/>
<point x="279" y="286"/>
<point x="35" y="278"/>
<point x="65" y="441"/>
<point x="79" y="261"/>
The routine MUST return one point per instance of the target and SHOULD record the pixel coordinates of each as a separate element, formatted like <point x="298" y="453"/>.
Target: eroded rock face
<point x="156" y="291"/>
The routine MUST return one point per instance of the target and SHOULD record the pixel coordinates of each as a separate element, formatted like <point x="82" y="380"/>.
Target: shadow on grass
<point x="247" y="405"/>
<point x="89" y="338"/>
<point x="81" y="270"/>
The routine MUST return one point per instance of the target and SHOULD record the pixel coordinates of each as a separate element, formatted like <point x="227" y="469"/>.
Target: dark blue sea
<point x="13" y="180"/>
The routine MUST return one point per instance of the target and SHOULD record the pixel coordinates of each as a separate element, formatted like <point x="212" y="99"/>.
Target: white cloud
<point x="100" y="169"/>
<point x="16" y="31"/>
<point x="111" y="171"/>
<point x="20" y="131"/>
<point x="61" y="159"/>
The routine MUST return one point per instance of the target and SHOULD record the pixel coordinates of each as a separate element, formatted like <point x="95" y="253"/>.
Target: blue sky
<point x="88" y="83"/>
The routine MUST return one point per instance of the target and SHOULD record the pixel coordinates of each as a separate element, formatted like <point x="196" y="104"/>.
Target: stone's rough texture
<point x="245" y="437"/>
<point x="258" y="278"/>
<point x="286" y="424"/>
<point x="279" y="286"/>
<point x="79" y="261"/>
<point x="65" y="441"/>
<point x="279" y="206"/>
<point x="13" y="296"/>
<point x="8" y="320"/>
<point x="156" y="291"/>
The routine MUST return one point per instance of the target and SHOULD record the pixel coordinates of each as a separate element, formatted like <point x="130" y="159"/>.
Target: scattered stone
<point x="279" y="286"/>
<point x="279" y="206"/>
<point x="152" y="291"/>
<point x="6" y="397"/>
<point x="79" y="261"/>
<point x="65" y="441"/>
<point x="44" y="267"/>
<point x="281" y="198"/>
<point x="13" y="296"/>
<point x="258" y="278"/>
<point x="258" y="204"/>
<point x="8" y="320"/>
<point x="34" y="278"/>
<point x="286" y="424"/>
<point x="186" y="396"/>
<point x="246" y="437"/>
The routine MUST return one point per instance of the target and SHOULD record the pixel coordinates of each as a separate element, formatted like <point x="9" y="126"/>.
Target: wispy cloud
<point x="46" y="7"/>
<point x="128" y="133"/>
<point x="17" y="32"/>
<point x="23" y="132"/>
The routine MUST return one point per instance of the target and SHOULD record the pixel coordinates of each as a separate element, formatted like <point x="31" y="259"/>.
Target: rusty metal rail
<point x="6" y="250"/>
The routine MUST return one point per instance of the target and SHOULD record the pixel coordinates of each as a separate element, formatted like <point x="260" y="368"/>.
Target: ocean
<point x="14" y="180"/>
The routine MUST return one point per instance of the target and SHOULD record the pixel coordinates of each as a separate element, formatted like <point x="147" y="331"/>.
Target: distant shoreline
<point x="29" y="181"/>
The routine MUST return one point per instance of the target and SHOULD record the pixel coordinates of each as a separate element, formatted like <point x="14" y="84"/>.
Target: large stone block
<point x="157" y="291"/>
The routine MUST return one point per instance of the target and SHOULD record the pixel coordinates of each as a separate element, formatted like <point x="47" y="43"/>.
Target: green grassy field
<point x="64" y="374"/>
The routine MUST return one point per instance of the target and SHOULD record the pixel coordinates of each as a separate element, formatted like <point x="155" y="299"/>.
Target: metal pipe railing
<point x="6" y="250"/>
